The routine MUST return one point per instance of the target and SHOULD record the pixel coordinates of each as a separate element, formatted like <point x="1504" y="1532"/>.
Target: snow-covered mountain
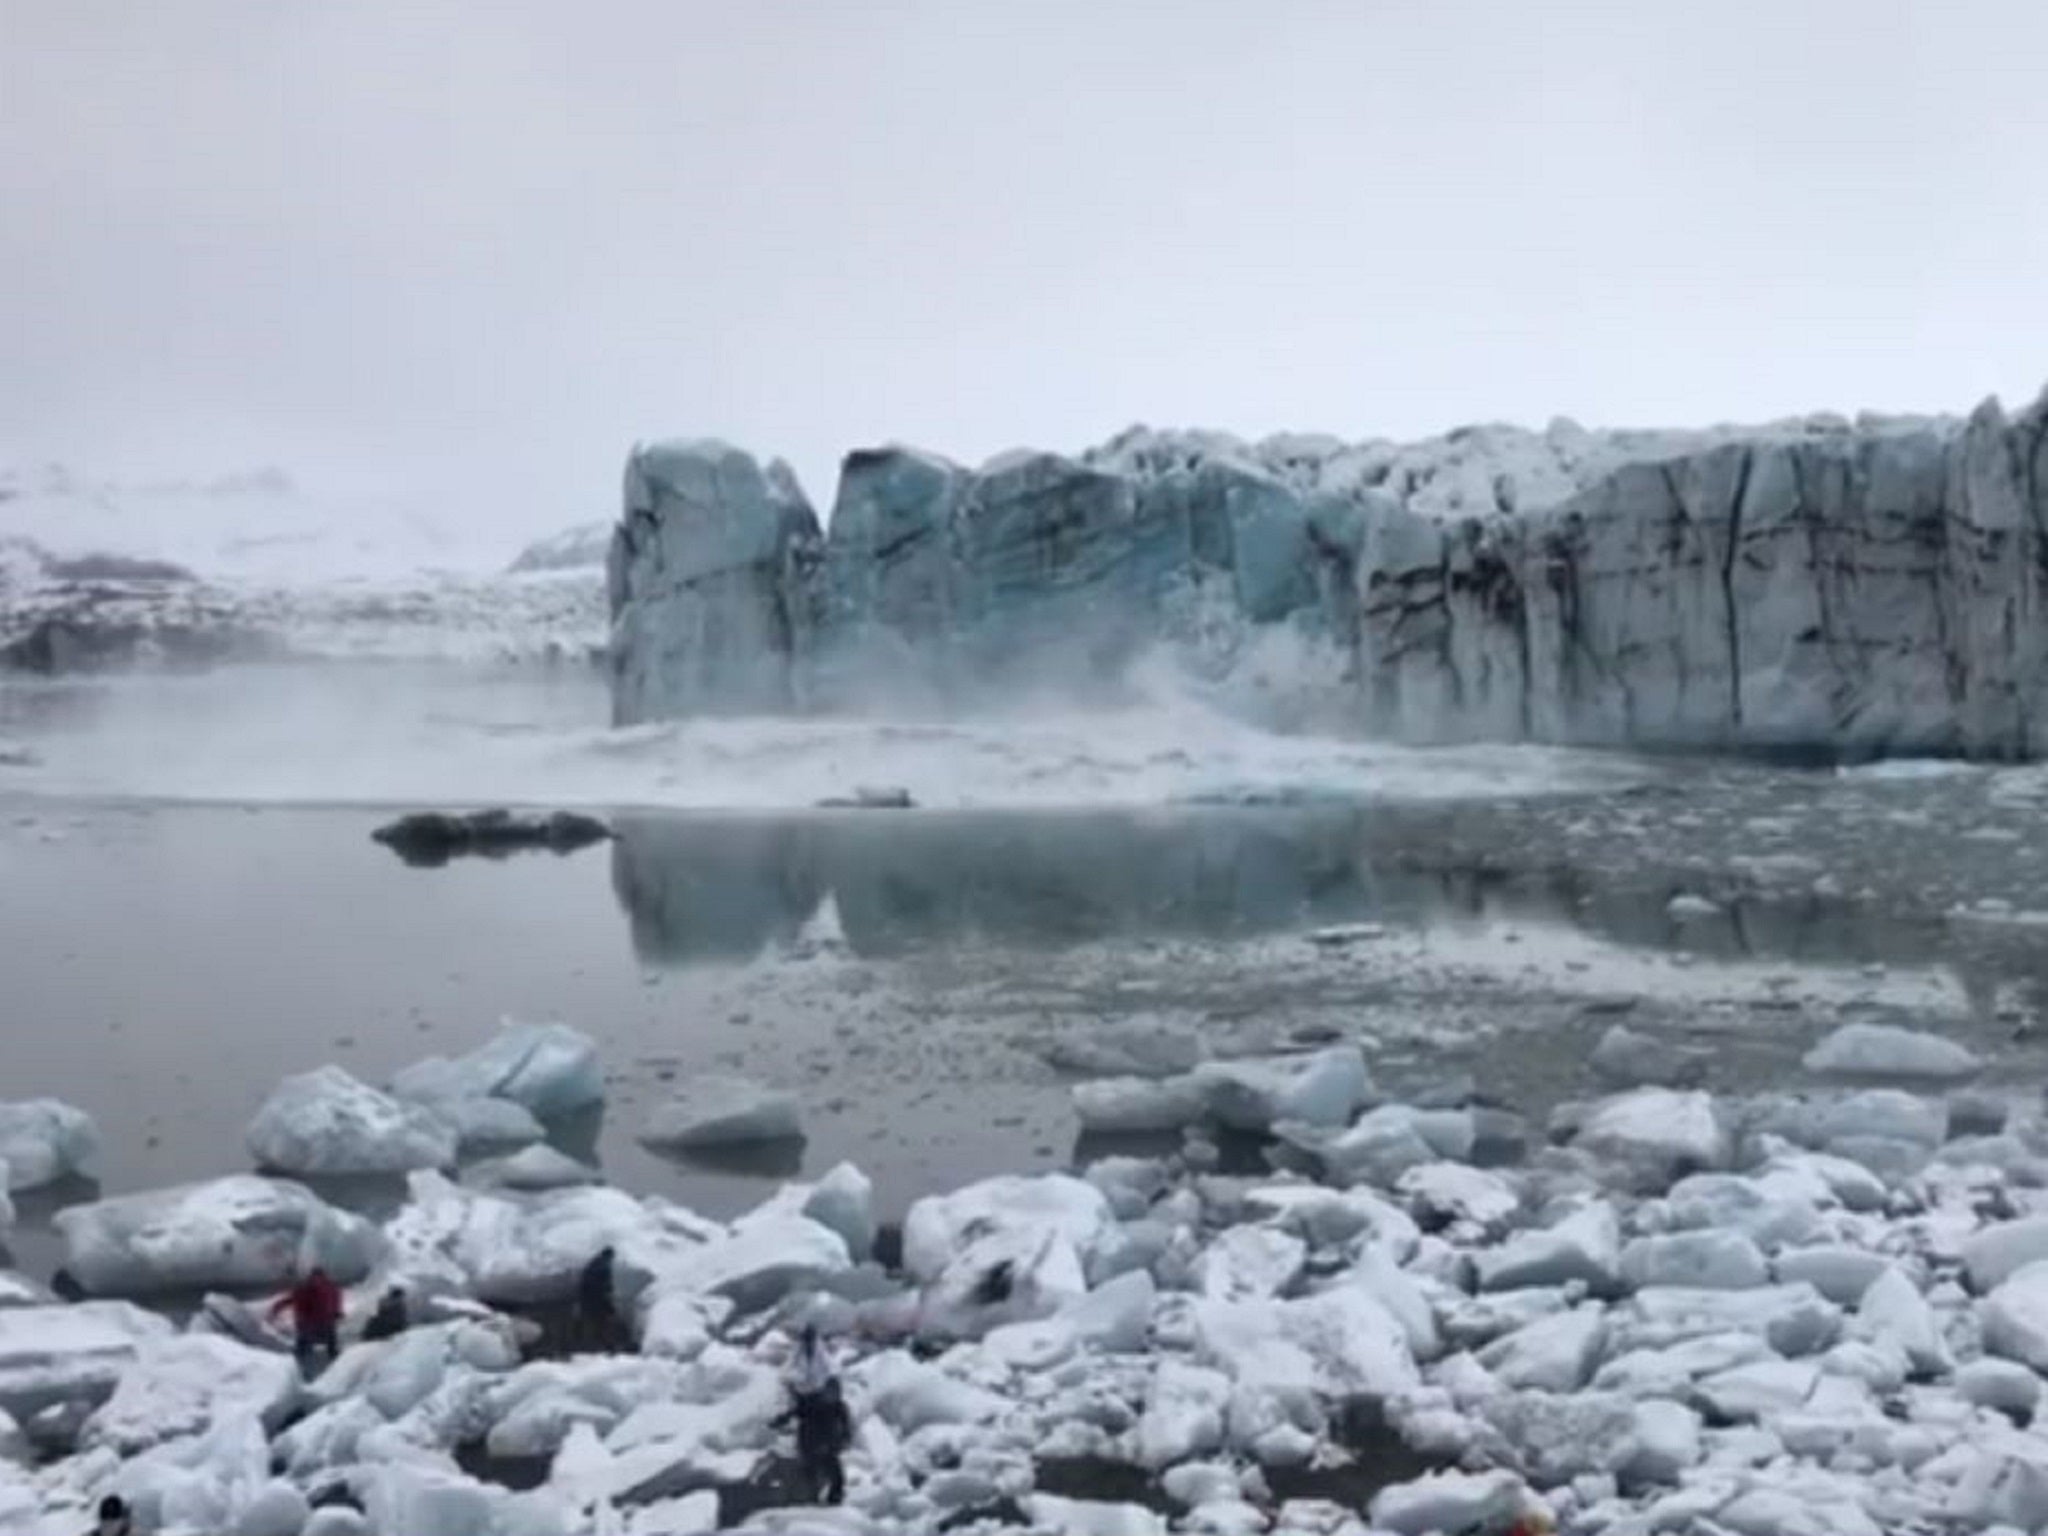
<point x="1821" y="584"/>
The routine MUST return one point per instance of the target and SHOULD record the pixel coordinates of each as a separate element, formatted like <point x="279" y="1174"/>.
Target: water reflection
<point x="700" y="888"/>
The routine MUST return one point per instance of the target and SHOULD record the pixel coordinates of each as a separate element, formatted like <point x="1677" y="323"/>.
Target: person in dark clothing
<point x="597" y="1312"/>
<point x="114" y="1519"/>
<point x="824" y="1429"/>
<point x="390" y="1319"/>
<point x="315" y="1305"/>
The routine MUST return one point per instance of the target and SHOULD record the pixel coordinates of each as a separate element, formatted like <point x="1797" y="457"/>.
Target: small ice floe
<point x="1886" y="1050"/>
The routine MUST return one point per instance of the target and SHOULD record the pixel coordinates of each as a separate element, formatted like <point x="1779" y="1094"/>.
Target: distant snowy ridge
<point x="1862" y="587"/>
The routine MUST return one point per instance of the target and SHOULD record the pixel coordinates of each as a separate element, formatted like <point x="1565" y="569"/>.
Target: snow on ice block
<point x="1893" y="1311"/>
<point x="325" y="1123"/>
<point x="844" y="1200"/>
<point x="1446" y="1193"/>
<point x="1886" y="1050"/>
<point x="549" y="1069"/>
<point x="711" y="1112"/>
<point x="1450" y="1501"/>
<point x="531" y="1170"/>
<point x="1114" y="1106"/>
<point x="908" y="1394"/>
<point x="1769" y="1214"/>
<point x="1715" y="1260"/>
<point x="484" y="1125"/>
<point x="939" y="1228"/>
<point x="1327" y="1217"/>
<point x="1115" y="1317"/>
<point x="2015" y="1317"/>
<point x="1183" y="1414"/>
<point x="1322" y="1088"/>
<point x="1840" y="1273"/>
<point x="1792" y="1319"/>
<point x="1656" y="1134"/>
<point x="1761" y="1391"/>
<point x="1584" y="1246"/>
<point x="763" y="1259"/>
<point x="1246" y="1262"/>
<point x="1341" y="1342"/>
<point x="177" y="1386"/>
<point x="44" y="1140"/>
<point x="69" y="1354"/>
<point x="1091" y="1517"/>
<point x="1670" y="1370"/>
<point x="396" y="1375"/>
<point x="2003" y="1385"/>
<point x="1994" y="1255"/>
<point x="239" y="1232"/>
<point x="200" y="1483"/>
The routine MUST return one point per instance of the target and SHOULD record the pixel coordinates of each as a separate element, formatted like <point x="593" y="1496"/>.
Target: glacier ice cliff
<point x="1819" y="585"/>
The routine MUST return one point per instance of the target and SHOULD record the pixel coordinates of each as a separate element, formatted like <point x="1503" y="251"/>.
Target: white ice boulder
<point x="909" y="1394"/>
<point x="1894" y="1311"/>
<point x="325" y="1123"/>
<point x="1793" y="1319"/>
<point x="549" y="1069"/>
<point x="1669" y="1370"/>
<point x="240" y="1232"/>
<point x="396" y="1375"/>
<point x="1631" y="1059"/>
<point x="1748" y="1393"/>
<point x="1552" y="1354"/>
<point x="1324" y="1088"/>
<point x="1656" y="1135"/>
<point x="1134" y="1047"/>
<point x="1091" y="1517"/>
<point x="1120" y="1106"/>
<point x="2003" y="1385"/>
<point x="1115" y="1318"/>
<point x="1666" y="1443"/>
<point x="1327" y="1217"/>
<point x="1994" y="1255"/>
<point x="279" y="1509"/>
<point x="1711" y="1259"/>
<point x="940" y="1229"/>
<point x="1886" y="1050"/>
<point x="1838" y="1272"/>
<point x="1445" y="1193"/>
<point x="1249" y="1261"/>
<point x="844" y="1200"/>
<point x="1890" y="1132"/>
<point x="2015" y="1317"/>
<point x="1768" y="1215"/>
<point x="177" y="1386"/>
<point x="487" y="1125"/>
<point x="1183" y="1414"/>
<point x="712" y="1112"/>
<point x="1442" y="1502"/>
<point x="764" y="1258"/>
<point x="532" y="1170"/>
<point x="1584" y="1246"/>
<point x="44" y="1140"/>
<point x="70" y="1354"/>
<point x="198" y="1483"/>
<point x="1384" y="1143"/>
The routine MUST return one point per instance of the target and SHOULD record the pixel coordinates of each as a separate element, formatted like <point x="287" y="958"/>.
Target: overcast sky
<point x="470" y="252"/>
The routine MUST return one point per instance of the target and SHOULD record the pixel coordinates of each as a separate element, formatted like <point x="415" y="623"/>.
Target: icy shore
<point x="1862" y="588"/>
<point x="1818" y="1312"/>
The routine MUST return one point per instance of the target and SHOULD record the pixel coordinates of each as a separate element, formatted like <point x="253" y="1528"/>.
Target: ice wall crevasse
<point x="1813" y="585"/>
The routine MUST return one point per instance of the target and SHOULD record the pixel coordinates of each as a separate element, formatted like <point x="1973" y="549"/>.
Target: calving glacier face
<point x="1865" y="587"/>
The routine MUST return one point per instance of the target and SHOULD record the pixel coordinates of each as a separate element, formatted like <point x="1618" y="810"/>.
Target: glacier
<point x="1866" y="587"/>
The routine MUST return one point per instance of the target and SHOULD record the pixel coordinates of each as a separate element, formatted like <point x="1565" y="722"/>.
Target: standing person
<point x="812" y="1370"/>
<point x="824" y="1429"/>
<point x="597" y="1311"/>
<point x="315" y="1304"/>
<point x="114" y="1519"/>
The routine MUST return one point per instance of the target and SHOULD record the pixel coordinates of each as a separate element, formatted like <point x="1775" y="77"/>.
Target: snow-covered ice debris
<point x="1893" y="1311"/>
<point x="1840" y="1273"/>
<point x="1323" y="1088"/>
<point x="1997" y="1252"/>
<point x="843" y="1200"/>
<point x="548" y="1069"/>
<point x="1750" y="1392"/>
<point x="199" y="1483"/>
<point x="2003" y="1385"/>
<point x="1091" y="1517"/>
<point x="1443" y="1194"/>
<point x="1386" y="1142"/>
<point x="1183" y="1415"/>
<point x="1713" y="1259"/>
<point x="1245" y="1262"/>
<point x="177" y="1386"/>
<point x="1126" y="1105"/>
<point x="763" y="1259"/>
<point x="1657" y="1135"/>
<point x="325" y="1123"/>
<point x="70" y="1354"/>
<point x="238" y="1232"/>
<point x="1114" y="1318"/>
<point x="1886" y="1050"/>
<point x="1134" y="1047"/>
<point x="1769" y="1213"/>
<point x="1687" y="907"/>
<point x="1325" y="1217"/>
<point x="1792" y="1319"/>
<point x="712" y="1112"/>
<point x="532" y="1169"/>
<point x="44" y="1140"/>
<point x="1584" y="1246"/>
<point x="1441" y="1502"/>
<point x="940" y="1231"/>
<point x="1552" y="1354"/>
<point x="487" y="1125"/>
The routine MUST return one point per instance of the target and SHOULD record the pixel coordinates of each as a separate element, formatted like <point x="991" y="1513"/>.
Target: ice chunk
<point x="1656" y="1134"/>
<point x="326" y="1123"/>
<point x="1323" y="1088"/>
<point x="484" y="1125"/>
<point x="1552" y="1354"/>
<point x="1841" y="1274"/>
<point x="1770" y="1215"/>
<point x="1886" y="1050"/>
<point x="1894" y="1311"/>
<point x="238" y="1232"/>
<point x="177" y="1386"/>
<point x="1137" y="1047"/>
<point x="44" y="1140"/>
<point x="278" y="1509"/>
<point x="69" y="1354"/>
<point x="2015" y="1317"/>
<point x="2001" y="1385"/>
<point x="1710" y="1259"/>
<point x="1666" y="1443"/>
<point x="1994" y="1255"/>
<point x="1249" y="1261"/>
<point x="549" y="1069"/>
<point x="1442" y="1194"/>
<point x="1793" y="1319"/>
<point x="1450" y="1501"/>
<point x="844" y="1200"/>
<point x="1115" y="1317"/>
<point x="1385" y="1143"/>
<point x="940" y="1229"/>
<point x="1636" y="1060"/>
<point x="1183" y="1414"/>
<point x="763" y="1259"/>
<point x="712" y="1112"/>
<point x="692" y="1514"/>
<point x="909" y="1394"/>
<point x="1326" y="1216"/>
<point x="1115" y="1106"/>
<point x="1669" y="1370"/>
<point x="532" y="1169"/>
<point x="1583" y="1246"/>
<point x="1751" y="1392"/>
<point x="198" y="1482"/>
<point x="1091" y="1517"/>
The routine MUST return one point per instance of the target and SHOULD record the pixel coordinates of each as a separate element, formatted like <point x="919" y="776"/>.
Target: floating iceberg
<point x="44" y="1140"/>
<point x="713" y="1112"/>
<point x="547" y="1069"/>
<point x="325" y="1124"/>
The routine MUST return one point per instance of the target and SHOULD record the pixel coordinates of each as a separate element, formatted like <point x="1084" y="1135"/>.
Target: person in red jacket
<point x="315" y="1304"/>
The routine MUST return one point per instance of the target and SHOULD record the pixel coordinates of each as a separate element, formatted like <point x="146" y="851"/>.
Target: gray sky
<point x="470" y="252"/>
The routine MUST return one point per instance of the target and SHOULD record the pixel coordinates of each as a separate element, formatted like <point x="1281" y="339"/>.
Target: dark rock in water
<point x="83" y="639"/>
<point x="427" y="839"/>
<point x="867" y="799"/>
<point x="106" y="567"/>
